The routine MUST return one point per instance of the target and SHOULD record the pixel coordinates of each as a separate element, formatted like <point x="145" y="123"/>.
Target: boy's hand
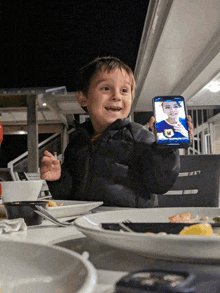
<point x="50" y="168"/>
<point x="152" y="123"/>
<point x="190" y="125"/>
<point x="189" y="122"/>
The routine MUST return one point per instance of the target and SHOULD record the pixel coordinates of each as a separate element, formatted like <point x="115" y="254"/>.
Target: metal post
<point x="32" y="134"/>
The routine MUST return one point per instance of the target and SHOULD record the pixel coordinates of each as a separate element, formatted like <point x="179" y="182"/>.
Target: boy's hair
<point x="106" y="64"/>
<point x="178" y="103"/>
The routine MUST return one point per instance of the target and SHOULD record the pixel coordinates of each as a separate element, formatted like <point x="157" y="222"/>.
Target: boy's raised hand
<point x="190" y="125"/>
<point x="151" y="123"/>
<point x="50" y="168"/>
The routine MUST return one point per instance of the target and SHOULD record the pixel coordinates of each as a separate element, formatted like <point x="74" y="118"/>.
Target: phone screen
<point x="171" y="127"/>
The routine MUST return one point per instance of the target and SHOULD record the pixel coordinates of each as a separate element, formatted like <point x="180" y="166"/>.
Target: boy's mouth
<point x="115" y="109"/>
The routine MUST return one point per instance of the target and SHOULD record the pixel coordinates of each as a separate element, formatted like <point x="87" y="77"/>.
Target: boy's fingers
<point x="46" y="162"/>
<point x="190" y="125"/>
<point x="55" y="162"/>
<point x="151" y="122"/>
<point x="48" y="154"/>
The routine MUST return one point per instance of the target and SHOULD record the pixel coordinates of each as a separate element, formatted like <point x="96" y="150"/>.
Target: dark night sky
<point x="45" y="43"/>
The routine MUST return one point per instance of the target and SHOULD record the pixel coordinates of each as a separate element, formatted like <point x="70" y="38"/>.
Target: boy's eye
<point x="105" y="88"/>
<point x="124" y="90"/>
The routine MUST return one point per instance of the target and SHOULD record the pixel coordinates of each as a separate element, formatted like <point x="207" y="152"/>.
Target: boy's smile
<point x="171" y="109"/>
<point x="109" y="98"/>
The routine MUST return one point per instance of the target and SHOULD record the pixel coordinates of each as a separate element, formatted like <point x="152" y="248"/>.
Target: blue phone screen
<point x="171" y="121"/>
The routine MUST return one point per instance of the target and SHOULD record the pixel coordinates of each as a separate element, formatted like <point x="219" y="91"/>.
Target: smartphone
<point x="156" y="281"/>
<point x="171" y="128"/>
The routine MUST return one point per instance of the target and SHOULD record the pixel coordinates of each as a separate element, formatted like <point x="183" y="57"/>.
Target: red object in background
<point x="0" y="190"/>
<point x="1" y="133"/>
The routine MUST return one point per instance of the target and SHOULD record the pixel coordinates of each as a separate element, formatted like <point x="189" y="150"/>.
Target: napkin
<point x="13" y="225"/>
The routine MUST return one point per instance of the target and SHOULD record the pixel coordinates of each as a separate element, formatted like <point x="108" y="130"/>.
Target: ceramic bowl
<point x="21" y="190"/>
<point x="25" y="210"/>
<point x="30" y="267"/>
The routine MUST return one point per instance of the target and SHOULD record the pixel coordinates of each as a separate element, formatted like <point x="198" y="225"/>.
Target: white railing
<point x="202" y="140"/>
<point x="25" y="154"/>
<point x="45" y="142"/>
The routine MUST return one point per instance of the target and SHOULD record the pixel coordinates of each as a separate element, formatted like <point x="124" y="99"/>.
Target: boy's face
<point x="171" y="109"/>
<point x="109" y="98"/>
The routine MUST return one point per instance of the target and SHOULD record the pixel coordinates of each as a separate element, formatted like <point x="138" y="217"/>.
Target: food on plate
<point x="182" y="218"/>
<point x="203" y="229"/>
<point x="179" y="224"/>
<point x="216" y="219"/>
<point x="205" y="218"/>
<point x="52" y="203"/>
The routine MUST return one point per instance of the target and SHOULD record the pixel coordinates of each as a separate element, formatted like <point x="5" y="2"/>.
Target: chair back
<point x="197" y="184"/>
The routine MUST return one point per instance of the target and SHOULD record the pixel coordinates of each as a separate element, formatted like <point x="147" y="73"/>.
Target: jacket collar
<point x="116" y="125"/>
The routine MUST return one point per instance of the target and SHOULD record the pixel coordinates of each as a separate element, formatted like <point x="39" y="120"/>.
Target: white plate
<point x="171" y="247"/>
<point x="28" y="267"/>
<point x="73" y="208"/>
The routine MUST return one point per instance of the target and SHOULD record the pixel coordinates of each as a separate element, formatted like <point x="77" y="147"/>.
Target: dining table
<point x="112" y="263"/>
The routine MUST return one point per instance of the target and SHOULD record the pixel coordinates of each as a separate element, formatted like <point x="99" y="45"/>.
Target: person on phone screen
<point x="174" y="126"/>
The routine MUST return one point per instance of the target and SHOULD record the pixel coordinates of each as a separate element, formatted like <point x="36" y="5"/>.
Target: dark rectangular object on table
<point x="169" y="228"/>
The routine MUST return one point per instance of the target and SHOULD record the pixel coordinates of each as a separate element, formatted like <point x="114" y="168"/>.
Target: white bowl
<point x="29" y="267"/>
<point x="21" y="190"/>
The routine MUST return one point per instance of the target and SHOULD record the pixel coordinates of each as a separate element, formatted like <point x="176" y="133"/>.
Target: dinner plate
<point x="29" y="267"/>
<point x="72" y="208"/>
<point x="168" y="247"/>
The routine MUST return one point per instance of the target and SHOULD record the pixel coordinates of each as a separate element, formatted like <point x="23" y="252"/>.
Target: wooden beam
<point x="42" y="128"/>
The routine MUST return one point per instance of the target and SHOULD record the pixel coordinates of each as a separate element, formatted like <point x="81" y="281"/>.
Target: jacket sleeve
<point x="158" y="166"/>
<point x="164" y="170"/>
<point x="62" y="188"/>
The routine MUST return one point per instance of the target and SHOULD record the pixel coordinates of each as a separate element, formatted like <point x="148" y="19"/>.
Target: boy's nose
<point x="116" y="95"/>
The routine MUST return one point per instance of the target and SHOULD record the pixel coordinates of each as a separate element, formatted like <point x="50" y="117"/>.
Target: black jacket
<point x="122" y="167"/>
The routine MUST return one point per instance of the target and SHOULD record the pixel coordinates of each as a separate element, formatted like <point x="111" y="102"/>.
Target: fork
<point x="125" y="227"/>
<point x="44" y="213"/>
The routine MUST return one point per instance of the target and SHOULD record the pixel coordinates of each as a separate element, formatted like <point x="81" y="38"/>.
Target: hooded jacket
<point x="122" y="167"/>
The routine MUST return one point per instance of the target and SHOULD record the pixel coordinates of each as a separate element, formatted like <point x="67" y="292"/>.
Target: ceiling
<point x="179" y="54"/>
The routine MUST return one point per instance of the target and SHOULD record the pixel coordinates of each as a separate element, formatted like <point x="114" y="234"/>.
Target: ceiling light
<point x="214" y="87"/>
<point x="44" y="104"/>
<point x="22" y="131"/>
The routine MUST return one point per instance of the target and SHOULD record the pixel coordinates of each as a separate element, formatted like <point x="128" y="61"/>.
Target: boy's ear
<point x="81" y="99"/>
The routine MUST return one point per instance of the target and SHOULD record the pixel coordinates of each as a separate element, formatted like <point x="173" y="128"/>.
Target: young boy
<point x="109" y="158"/>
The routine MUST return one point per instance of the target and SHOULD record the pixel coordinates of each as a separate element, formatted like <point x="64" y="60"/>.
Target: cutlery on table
<point x="45" y="214"/>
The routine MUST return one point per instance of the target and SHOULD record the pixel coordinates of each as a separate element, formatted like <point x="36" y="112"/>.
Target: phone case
<point x="171" y="126"/>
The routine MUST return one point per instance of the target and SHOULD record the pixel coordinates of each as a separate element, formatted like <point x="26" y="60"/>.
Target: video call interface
<point x="171" y="121"/>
